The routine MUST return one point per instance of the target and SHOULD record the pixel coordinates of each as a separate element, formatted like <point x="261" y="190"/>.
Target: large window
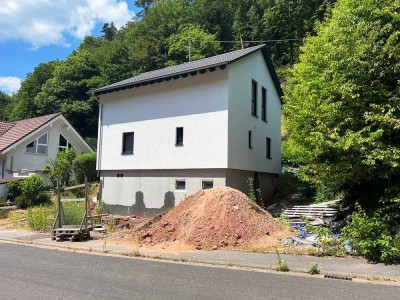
<point x="264" y="104"/>
<point x="127" y="142"/>
<point x="63" y="143"/>
<point x="38" y="146"/>
<point x="179" y="136"/>
<point x="268" y="147"/>
<point x="254" y="98"/>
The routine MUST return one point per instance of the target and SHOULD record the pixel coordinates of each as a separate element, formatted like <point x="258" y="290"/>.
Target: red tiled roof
<point x="5" y="126"/>
<point x="2" y="181"/>
<point x="15" y="131"/>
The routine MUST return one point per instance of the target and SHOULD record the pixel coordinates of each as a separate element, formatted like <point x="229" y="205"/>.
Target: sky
<point x="36" y="31"/>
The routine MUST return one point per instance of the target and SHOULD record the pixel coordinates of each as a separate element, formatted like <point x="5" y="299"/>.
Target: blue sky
<point x="36" y="31"/>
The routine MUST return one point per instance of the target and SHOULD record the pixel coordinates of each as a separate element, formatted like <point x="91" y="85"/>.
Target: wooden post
<point x="86" y="204"/>
<point x="59" y="203"/>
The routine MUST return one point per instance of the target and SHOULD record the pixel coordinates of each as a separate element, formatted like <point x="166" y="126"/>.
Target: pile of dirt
<point x="221" y="217"/>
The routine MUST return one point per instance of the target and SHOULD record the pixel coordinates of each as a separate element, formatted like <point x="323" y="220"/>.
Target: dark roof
<point x="2" y="181"/>
<point x="10" y="133"/>
<point x="197" y="65"/>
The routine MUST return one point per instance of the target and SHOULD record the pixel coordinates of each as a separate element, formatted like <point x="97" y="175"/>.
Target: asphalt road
<point x="33" y="273"/>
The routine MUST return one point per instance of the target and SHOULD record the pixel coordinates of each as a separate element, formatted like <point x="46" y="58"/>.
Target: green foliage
<point x="375" y="236"/>
<point x="73" y="212"/>
<point x="314" y="269"/>
<point x="14" y="188"/>
<point x="85" y="164"/>
<point x="202" y="44"/>
<point x="4" y="102"/>
<point x="282" y="264"/>
<point x="342" y="104"/>
<point x="22" y="201"/>
<point x="31" y="187"/>
<point x="252" y="192"/>
<point x="61" y="168"/>
<point x="40" y="218"/>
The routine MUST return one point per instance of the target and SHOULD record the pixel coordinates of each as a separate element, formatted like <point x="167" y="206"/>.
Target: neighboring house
<point x="166" y="134"/>
<point x="27" y="145"/>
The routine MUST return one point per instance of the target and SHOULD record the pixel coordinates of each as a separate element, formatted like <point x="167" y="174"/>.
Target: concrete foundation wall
<point x="266" y="182"/>
<point x="150" y="192"/>
<point x="3" y="190"/>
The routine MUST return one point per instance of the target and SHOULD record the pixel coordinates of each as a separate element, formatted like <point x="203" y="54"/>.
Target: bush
<point x="22" y="201"/>
<point x="42" y="198"/>
<point x="14" y="188"/>
<point x="85" y="164"/>
<point x="372" y="237"/>
<point x="32" y="186"/>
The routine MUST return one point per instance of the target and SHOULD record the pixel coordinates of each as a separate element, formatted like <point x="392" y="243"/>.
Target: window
<point x="127" y="142"/>
<point x="250" y="142"/>
<point x="264" y="104"/>
<point x="180" y="185"/>
<point x="63" y="143"/>
<point x="38" y="146"/>
<point x="207" y="184"/>
<point x="268" y="147"/>
<point x="254" y="98"/>
<point x="179" y="136"/>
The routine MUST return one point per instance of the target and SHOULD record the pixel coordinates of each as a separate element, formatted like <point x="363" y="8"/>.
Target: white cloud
<point x="45" y="22"/>
<point x="10" y="85"/>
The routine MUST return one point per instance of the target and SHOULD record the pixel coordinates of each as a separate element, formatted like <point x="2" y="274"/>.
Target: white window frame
<point x="63" y="147"/>
<point x="37" y="144"/>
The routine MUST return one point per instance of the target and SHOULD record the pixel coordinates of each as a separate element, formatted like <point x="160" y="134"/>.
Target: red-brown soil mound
<point x="214" y="218"/>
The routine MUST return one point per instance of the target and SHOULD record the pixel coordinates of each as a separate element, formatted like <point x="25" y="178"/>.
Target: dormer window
<point x="63" y="144"/>
<point x="38" y="146"/>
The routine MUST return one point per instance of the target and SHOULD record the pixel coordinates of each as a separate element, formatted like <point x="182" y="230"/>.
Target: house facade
<point x="166" y="134"/>
<point x="26" y="146"/>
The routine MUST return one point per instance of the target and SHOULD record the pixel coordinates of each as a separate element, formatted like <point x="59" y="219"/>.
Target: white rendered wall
<point x="197" y="103"/>
<point x="36" y="162"/>
<point x="3" y="190"/>
<point x="241" y="74"/>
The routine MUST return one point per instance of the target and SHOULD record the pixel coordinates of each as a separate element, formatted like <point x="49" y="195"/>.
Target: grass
<point x="282" y="264"/>
<point x="314" y="269"/>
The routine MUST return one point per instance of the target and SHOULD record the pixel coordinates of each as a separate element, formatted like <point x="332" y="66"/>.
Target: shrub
<point x="14" y="188"/>
<point x="32" y="186"/>
<point x="372" y="237"/>
<point x="85" y="164"/>
<point x="22" y="201"/>
<point x="42" y="198"/>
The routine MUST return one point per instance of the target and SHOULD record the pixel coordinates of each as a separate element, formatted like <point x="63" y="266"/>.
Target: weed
<point x="314" y="269"/>
<point x="252" y="192"/>
<point x="282" y="264"/>
<point x="105" y="245"/>
<point x="38" y="218"/>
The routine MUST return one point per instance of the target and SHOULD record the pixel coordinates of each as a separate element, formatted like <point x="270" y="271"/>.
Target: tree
<point x="110" y="31"/>
<point x="202" y="44"/>
<point x="61" y="167"/>
<point x="342" y="103"/>
<point x="4" y="102"/>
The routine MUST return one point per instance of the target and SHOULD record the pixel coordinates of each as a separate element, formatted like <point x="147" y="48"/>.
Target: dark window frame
<point x="125" y="150"/>
<point x="250" y="137"/>
<point x="177" y="185"/>
<point x="264" y="104"/>
<point x="268" y="147"/>
<point x="254" y="96"/>
<point x="179" y="137"/>
<point x="207" y="181"/>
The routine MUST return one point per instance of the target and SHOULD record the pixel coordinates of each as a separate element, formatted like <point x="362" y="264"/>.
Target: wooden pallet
<point x="309" y="212"/>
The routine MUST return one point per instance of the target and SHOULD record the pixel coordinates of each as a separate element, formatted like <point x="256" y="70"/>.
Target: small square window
<point x="207" y="184"/>
<point x="179" y="136"/>
<point x="127" y="142"/>
<point x="180" y="185"/>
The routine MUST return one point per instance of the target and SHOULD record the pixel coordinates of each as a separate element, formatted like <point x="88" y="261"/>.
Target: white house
<point x="165" y="134"/>
<point x="26" y="146"/>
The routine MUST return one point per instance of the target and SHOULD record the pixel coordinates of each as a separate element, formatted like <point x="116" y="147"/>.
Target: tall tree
<point x="343" y="102"/>
<point x="4" y="102"/>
